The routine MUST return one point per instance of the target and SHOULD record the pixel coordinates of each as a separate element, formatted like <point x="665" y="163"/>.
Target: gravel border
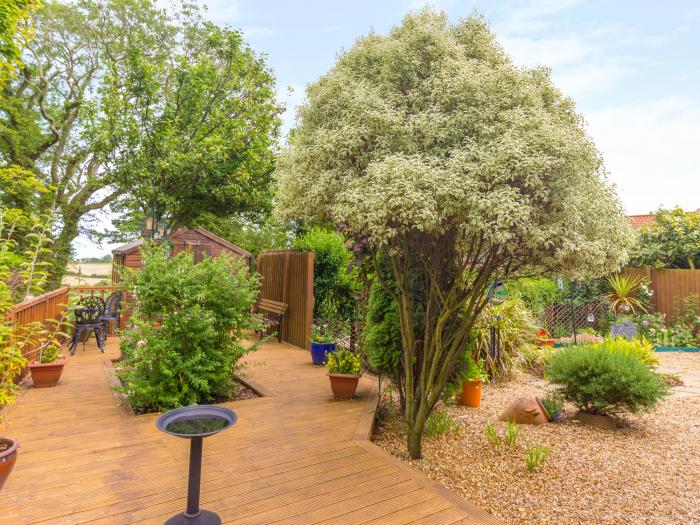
<point x="646" y="472"/>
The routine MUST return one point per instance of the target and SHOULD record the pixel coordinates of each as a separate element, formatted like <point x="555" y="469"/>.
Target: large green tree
<point x="120" y="103"/>
<point x="195" y="132"/>
<point x="430" y="147"/>
<point x="52" y="112"/>
<point x="673" y="241"/>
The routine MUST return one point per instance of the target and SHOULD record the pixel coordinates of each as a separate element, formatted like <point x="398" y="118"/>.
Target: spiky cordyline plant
<point x="625" y="288"/>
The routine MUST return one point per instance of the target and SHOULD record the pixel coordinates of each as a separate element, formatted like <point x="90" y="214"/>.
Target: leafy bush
<point x="382" y="333"/>
<point x="344" y="362"/>
<point x="605" y="380"/>
<point x="536" y="294"/>
<point x="185" y="345"/>
<point x="517" y="329"/>
<point x="334" y="284"/>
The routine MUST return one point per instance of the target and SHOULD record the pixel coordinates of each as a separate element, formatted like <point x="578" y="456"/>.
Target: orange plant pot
<point x="470" y="395"/>
<point x="545" y="342"/>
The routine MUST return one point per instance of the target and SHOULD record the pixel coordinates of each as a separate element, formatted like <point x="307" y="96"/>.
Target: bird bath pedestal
<point x="195" y="423"/>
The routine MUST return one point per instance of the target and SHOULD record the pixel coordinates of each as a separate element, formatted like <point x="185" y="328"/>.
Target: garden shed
<point x="201" y="242"/>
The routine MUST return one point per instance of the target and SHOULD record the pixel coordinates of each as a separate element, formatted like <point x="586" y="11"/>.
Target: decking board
<point x="295" y="456"/>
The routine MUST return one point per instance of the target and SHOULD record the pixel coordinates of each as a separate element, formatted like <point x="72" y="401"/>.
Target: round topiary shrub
<point x="602" y="380"/>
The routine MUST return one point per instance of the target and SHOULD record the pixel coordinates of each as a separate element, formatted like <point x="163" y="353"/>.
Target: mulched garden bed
<point x="646" y="472"/>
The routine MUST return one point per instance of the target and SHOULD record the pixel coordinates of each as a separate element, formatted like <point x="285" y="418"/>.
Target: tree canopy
<point x="195" y="130"/>
<point x="430" y="146"/>
<point x="120" y="103"/>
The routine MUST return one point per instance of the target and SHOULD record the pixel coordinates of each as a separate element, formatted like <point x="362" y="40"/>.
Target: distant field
<point x="92" y="273"/>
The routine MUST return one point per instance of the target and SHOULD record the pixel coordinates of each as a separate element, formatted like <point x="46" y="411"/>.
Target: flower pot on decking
<point x="320" y="351"/>
<point x="47" y="374"/>
<point x="343" y="385"/>
<point x="8" y="456"/>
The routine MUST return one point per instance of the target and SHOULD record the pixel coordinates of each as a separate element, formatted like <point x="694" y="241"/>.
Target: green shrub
<point x="604" y="380"/>
<point x="334" y="284"/>
<point x="638" y="347"/>
<point x="185" y="345"/>
<point x="536" y="294"/>
<point x="382" y="333"/>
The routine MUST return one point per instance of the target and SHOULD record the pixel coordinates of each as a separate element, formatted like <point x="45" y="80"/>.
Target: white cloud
<point x="652" y="151"/>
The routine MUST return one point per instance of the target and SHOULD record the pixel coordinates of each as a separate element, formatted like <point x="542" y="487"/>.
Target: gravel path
<point x="647" y="472"/>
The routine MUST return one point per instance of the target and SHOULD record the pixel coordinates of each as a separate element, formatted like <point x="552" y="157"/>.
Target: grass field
<point x="90" y="273"/>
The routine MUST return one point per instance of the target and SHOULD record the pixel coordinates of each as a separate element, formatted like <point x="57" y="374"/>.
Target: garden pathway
<point x="295" y="456"/>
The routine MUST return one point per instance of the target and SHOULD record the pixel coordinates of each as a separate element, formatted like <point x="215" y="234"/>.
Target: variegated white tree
<point x="430" y="148"/>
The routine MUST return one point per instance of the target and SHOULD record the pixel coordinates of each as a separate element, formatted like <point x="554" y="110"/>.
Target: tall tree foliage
<point x="14" y="22"/>
<point x="673" y="241"/>
<point x="120" y="104"/>
<point x="195" y="131"/>
<point x="52" y="113"/>
<point x="430" y="147"/>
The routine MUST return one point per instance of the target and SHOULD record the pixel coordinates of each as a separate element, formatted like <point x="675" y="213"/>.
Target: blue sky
<point x="632" y="67"/>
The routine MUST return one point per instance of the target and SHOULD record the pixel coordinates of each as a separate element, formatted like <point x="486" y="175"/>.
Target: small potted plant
<point x="11" y="366"/>
<point x="474" y="377"/>
<point x="544" y="338"/>
<point x="624" y="303"/>
<point x="322" y="343"/>
<point x="553" y="405"/>
<point x="344" y="372"/>
<point x="47" y="368"/>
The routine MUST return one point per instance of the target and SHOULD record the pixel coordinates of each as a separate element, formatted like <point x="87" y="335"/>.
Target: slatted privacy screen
<point x="288" y="276"/>
<point x="669" y="287"/>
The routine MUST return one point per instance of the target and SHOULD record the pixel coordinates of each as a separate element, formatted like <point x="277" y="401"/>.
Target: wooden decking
<point x="295" y="456"/>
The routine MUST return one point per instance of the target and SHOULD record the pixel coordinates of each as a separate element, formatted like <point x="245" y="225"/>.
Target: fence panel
<point x="669" y="287"/>
<point x="47" y="306"/>
<point x="288" y="277"/>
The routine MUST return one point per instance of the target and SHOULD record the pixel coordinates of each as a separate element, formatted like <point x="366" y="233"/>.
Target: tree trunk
<point x="414" y="441"/>
<point x="62" y="251"/>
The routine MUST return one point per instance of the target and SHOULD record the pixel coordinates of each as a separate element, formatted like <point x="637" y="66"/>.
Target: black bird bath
<point x="195" y="423"/>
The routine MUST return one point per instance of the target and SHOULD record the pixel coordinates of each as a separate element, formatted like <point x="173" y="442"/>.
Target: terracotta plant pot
<point x="541" y="341"/>
<point x="7" y="458"/>
<point x="343" y="385"/>
<point x="470" y="395"/>
<point x="47" y="374"/>
<point x="527" y="410"/>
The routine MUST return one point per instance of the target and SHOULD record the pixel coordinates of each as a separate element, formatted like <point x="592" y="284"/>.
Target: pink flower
<point x="646" y="322"/>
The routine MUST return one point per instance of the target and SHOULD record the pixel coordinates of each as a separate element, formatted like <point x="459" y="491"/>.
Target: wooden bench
<point x="270" y="313"/>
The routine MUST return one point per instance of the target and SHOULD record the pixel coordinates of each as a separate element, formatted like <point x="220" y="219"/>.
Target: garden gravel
<point x="645" y="472"/>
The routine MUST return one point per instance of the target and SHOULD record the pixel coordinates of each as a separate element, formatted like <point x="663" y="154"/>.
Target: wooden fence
<point x="47" y="306"/>
<point x="288" y="277"/>
<point x="669" y="287"/>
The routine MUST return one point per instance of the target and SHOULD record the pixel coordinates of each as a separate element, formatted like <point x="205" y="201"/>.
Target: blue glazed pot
<point x="320" y="351"/>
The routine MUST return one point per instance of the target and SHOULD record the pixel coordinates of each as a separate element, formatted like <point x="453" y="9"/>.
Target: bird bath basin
<point x="195" y="423"/>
